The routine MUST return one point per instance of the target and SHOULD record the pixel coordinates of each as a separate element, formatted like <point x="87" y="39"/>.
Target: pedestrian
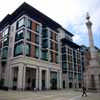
<point x="84" y="91"/>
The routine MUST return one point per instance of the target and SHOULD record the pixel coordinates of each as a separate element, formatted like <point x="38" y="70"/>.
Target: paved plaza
<point x="47" y="95"/>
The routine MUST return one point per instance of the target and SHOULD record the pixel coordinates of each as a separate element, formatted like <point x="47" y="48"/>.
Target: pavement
<point x="47" y="95"/>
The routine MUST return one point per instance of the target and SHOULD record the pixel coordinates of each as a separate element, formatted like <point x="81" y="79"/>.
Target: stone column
<point x="60" y="77"/>
<point x="58" y="80"/>
<point x="37" y="78"/>
<point x="10" y="78"/>
<point x="0" y="69"/>
<point x="24" y="77"/>
<point x="40" y="79"/>
<point x="20" y="77"/>
<point x="47" y="79"/>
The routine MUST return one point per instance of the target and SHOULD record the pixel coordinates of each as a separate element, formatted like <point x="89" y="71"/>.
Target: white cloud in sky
<point x="69" y="13"/>
<point x="77" y="38"/>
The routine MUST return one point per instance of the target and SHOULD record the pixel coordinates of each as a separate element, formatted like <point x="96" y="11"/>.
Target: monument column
<point x="93" y="69"/>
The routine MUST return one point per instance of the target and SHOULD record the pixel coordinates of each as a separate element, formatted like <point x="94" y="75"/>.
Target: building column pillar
<point x="10" y="78"/>
<point x="58" y="80"/>
<point x="24" y="77"/>
<point x="60" y="77"/>
<point x="37" y="78"/>
<point x="47" y="79"/>
<point x="0" y="69"/>
<point x="40" y="79"/>
<point x="20" y="77"/>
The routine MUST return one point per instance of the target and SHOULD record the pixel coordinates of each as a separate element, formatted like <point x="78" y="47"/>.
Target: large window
<point x="45" y="54"/>
<point x="19" y="35"/>
<point x="51" y="56"/>
<point x="36" y="51"/>
<point x="64" y="65"/>
<point x="38" y="28"/>
<point x="51" y="44"/>
<point x="27" y="49"/>
<point x="28" y="35"/>
<point x="37" y="39"/>
<point x="6" y="32"/>
<point x="5" y="41"/>
<point x="4" y="53"/>
<point x="51" y="34"/>
<point x="18" y="49"/>
<point x="45" y="43"/>
<point x="57" y="58"/>
<point x="21" y="23"/>
<point x="45" y="33"/>
<point x="29" y="23"/>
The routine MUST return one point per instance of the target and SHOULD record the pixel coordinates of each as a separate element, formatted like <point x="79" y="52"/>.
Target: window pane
<point x="45" y="33"/>
<point x="37" y="39"/>
<point x="18" y="49"/>
<point x="37" y="28"/>
<point x="51" y="34"/>
<point x="36" y="51"/>
<point x="51" y="56"/>
<point x="29" y="23"/>
<point x="4" y="53"/>
<point x="27" y="49"/>
<point x="6" y="32"/>
<point x="45" y="43"/>
<point x="19" y="35"/>
<point x="51" y="44"/>
<point x="5" y="41"/>
<point x="28" y="36"/>
<point x="57" y="58"/>
<point x="45" y="54"/>
<point x="20" y="23"/>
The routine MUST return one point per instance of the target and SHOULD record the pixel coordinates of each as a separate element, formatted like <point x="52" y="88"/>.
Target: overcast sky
<point x="69" y="13"/>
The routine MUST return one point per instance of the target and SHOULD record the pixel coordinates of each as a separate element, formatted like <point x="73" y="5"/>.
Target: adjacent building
<point x="33" y="52"/>
<point x="72" y="64"/>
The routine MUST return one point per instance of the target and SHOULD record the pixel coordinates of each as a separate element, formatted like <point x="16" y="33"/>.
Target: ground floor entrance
<point x="36" y="78"/>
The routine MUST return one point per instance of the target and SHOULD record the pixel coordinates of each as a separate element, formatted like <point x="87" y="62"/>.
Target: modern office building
<point x="32" y="55"/>
<point x="72" y="64"/>
<point x="29" y="49"/>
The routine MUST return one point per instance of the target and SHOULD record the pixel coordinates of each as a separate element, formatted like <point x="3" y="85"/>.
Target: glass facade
<point x="19" y="35"/>
<point x="28" y="35"/>
<point x="45" y="33"/>
<point x="18" y="49"/>
<point x="44" y="42"/>
<point x="38" y="28"/>
<point x="36" y="51"/>
<point x="27" y="49"/>
<point x="4" y="52"/>
<point x="28" y="23"/>
<point x="20" y="23"/>
<point x="6" y="41"/>
<point x="36" y="39"/>
<point x="45" y="55"/>
<point x="5" y="33"/>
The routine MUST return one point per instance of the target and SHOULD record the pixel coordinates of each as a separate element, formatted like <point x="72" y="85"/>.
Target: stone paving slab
<point x="47" y="95"/>
<point x="91" y="96"/>
<point x="43" y="95"/>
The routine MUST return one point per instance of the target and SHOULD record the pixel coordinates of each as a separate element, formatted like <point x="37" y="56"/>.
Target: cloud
<point x="77" y="39"/>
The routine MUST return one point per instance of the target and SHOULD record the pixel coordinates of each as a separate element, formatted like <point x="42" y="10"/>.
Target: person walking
<point x="84" y="91"/>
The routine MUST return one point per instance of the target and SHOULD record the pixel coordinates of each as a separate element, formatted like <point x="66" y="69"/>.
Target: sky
<point x="71" y="14"/>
